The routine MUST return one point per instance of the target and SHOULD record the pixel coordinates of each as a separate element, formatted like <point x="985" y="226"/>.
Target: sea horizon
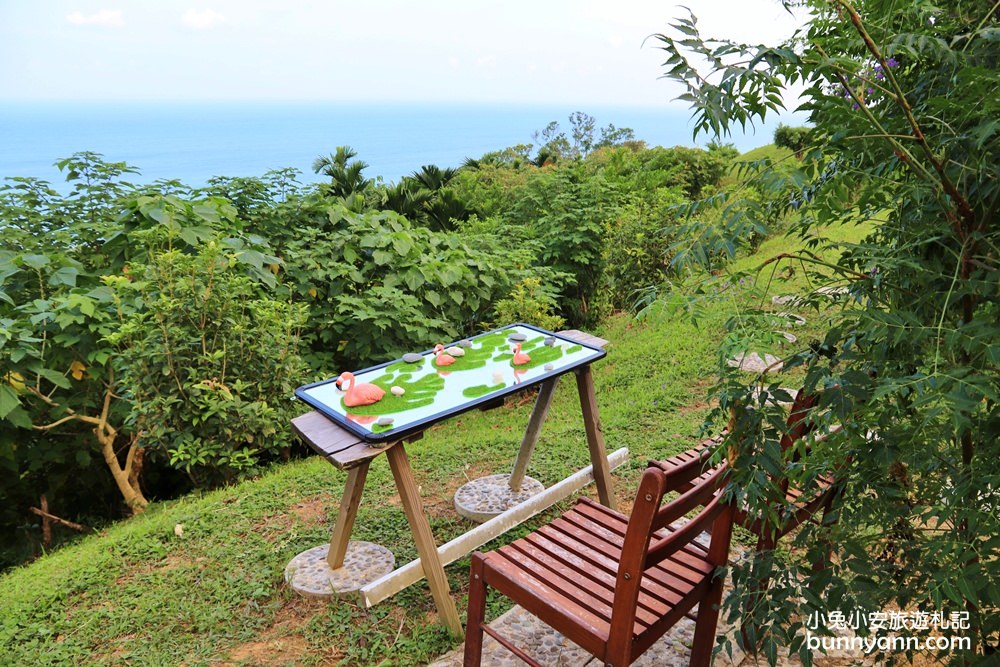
<point x="194" y="141"/>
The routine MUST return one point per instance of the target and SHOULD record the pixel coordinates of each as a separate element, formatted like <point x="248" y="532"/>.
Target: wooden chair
<point x="615" y="584"/>
<point x="802" y="504"/>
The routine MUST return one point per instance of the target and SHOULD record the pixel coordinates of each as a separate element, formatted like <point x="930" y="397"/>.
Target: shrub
<point x="378" y="286"/>
<point x="207" y="364"/>
<point x="530" y="302"/>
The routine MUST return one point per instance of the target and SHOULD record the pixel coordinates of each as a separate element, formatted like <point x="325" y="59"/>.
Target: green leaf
<point x="8" y="400"/>
<point x="55" y="377"/>
<point x="64" y="276"/>
<point x="35" y="261"/>
<point x="402" y="245"/>
<point x="19" y="417"/>
<point x="195" y="235"/>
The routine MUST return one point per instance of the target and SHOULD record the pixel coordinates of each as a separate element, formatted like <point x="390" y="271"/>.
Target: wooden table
<point x="347" y="451"/>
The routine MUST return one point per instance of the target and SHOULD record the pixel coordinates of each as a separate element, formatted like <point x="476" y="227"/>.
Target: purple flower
<point x="892" y="62"/>
<point x="870" y="90"/>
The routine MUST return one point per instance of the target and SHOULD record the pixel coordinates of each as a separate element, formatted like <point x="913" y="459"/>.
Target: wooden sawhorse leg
<point x="430" y="561"/>
<point x="538" y="414"/>
<point x="349" y="503"/>
<point x="595" y="436"/>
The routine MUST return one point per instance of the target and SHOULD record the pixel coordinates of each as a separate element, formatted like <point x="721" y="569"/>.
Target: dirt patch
<point x="312" y="512"/>
<point x="274" y="651"/>
<point x="309" y="511"/>
<point x="283" y="642"/>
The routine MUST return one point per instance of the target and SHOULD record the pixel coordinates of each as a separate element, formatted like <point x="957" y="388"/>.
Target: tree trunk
<point x="126" y="478"/>
<point x="46" y="524"/>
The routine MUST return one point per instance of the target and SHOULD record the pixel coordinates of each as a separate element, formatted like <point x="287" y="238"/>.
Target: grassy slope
<point x="140" y="594"/>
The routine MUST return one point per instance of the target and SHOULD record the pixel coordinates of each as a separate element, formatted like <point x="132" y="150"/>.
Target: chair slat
<point x="694" y="497"/>
<point x="657" y="586"/>
<point x="596" y="599"/>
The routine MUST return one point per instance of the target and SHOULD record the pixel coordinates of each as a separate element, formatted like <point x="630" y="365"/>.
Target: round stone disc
<point x="484" y="498"/>
<point x="309" y="574"/>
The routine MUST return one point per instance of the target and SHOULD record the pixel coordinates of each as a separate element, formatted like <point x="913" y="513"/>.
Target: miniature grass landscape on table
<point x="424" y="388"/>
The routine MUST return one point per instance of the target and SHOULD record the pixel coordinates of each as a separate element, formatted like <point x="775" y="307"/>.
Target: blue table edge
<point x="398" y="434"/>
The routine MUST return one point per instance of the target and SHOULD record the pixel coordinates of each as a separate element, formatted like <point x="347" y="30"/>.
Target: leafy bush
<point x="64" y="429"/>
<point x="564" y="212"/>
<point x="378" y="286"/>
<point x="636" y="251"/>
<point x="530" y="302"/>
<point x="796" y="139"/>
<point x="207" y="364"/>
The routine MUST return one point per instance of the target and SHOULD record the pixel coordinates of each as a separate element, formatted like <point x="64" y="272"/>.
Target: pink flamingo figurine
<point x="359" y="394"/>
<point x="442" y="358"/>
<point x="520" y="358"/>
<point x="361" y="419"/>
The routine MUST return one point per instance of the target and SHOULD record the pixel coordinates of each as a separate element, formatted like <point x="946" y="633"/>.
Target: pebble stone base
<point x="309" y="574"/>
<point x="486" y="497"/>
<point x="753" y="363"/>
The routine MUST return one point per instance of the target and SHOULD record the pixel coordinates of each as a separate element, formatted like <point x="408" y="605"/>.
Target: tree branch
<point x="64" y="522"/>
<point x="959" y="200"/>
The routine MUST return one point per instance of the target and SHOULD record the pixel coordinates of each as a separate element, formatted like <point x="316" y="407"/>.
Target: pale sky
<point x="544" y="51"/>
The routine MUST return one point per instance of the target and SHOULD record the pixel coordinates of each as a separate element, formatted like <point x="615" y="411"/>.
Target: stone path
<point x="753" y="363"/>
<point x="549" y="647"/>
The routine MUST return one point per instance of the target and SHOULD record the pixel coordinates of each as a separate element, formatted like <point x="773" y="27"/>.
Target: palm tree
<point x="346" y="180"/>
<point x="407" y="198"/>
<point x="433" y="177"/>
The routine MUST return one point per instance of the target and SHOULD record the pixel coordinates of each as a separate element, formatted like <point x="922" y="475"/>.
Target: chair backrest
<point x="798" y="425"/>
<point x="643" y="548"/>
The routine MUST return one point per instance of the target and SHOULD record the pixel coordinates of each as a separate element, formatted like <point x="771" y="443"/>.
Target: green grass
<point x="140" y="594"/>
<point x="775" y="153"/>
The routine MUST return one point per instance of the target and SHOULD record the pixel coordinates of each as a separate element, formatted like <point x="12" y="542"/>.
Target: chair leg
<point x="476" y="614"/>
<point x="705" y="626"/>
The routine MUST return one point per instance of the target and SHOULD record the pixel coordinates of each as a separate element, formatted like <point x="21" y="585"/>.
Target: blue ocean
<point x="192" y="142"/>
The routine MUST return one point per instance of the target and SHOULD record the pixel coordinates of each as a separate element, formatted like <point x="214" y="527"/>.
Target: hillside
<point x="198" y="581"/>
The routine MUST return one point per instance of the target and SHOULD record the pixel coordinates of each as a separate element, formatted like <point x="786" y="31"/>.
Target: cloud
<point x="202" y="19"/>
<point x="107" y="18"/>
